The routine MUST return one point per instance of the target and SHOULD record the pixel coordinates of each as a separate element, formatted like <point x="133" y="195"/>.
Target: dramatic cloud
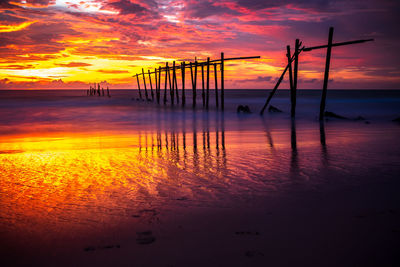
<point x="92" y="40"/>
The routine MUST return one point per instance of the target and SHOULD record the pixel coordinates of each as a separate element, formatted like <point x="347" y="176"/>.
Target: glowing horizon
<point x="68" y="44"/>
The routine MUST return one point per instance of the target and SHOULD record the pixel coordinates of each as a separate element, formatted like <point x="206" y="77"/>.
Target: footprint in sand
<point x="88" y="249"/>
<point x="247" y="233"/>
<point x="253" y="253"/>
<point x="144" y="238"/>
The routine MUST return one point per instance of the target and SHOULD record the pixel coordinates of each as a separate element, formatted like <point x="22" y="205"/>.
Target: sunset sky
<point x="67" y="44"/>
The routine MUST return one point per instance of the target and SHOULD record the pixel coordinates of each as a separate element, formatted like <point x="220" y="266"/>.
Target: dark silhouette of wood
<point x="326" y="75"/>
<point x="171" y="88"/>
<point x="159" y="85"/>
<point x="193" y="75"/>
<point x="151" y="87"/>
<point x="276" y="87"/>
<point x="145" y="87"/>
<point x="208" y="82"/>
<point x="216" y="84"/>
<point x="175" y="82"/>
<point x="183" y="83"/>
<point x="156" y="80"/>
<point x="108" y="92"/>
<point x="222" y="82"/>
<point x="306" y="49"/>
<point x="289" y="56"/>
<point x="203" y="95"/>
<point x="277" y="84"/>
<point x="98" y="89"/>
<point x="102" y="91"/>
<point x="293" y="91"/>
<point x="166" y="82"/>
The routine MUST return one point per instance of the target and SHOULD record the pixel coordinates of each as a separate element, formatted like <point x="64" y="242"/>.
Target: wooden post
<point x="289" y="57"/>
<point x="222" y="82"/>
<point x="171" y="88"/>
<point x="274" y="90"/>
<point x="183" y="84"/>
<point x="151" y="86"/>
<point x="166" y="82"/>
<point x="194" y="81"/>
<point x="138" y="84"/>
<point x="159" y="85"/>
<point x="295" y="71"/>
<point x="145" y="87"/>
<point x="208" y="82"/>
<point x="108" y="92"/>
<point x="216" y="84"/>
<point x="176" y="85"/>
<point x="156" y="80"/>
<point x="203" y="95"/>
<point x="326" y="76"/>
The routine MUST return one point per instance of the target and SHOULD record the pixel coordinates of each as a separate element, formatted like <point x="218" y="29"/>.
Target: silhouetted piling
<point x="108" y="92"/>
<point x="156" y="80"/>
<point x="145" y="87"/>
<point x="138" y="84"/>
<point x="326" y="75"/>
<point x="151" y="86"/>
<point x="102" y="91"/>
<point x="183" y="83"/>
<point x="166" y="82"/>
<point x="159" y="85"/>
<point x="203" y="96"/>
<point x="222" y="82"/>
<point x="216" y="84"/>
<point x="176" y="85"/>
<point x="171" y="88"/>
<point x="194" y="82"/>
<point x="208" y="82"/>
<point x="289" y="56"/>
<point x="295" y="72"/>
<point x="98" y="89"/>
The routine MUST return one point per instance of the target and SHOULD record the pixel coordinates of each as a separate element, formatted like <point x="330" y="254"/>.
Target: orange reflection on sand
<point x="75" y="183"/>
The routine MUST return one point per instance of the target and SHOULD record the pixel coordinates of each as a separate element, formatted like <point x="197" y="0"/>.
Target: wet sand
<point x="119" y="183"/>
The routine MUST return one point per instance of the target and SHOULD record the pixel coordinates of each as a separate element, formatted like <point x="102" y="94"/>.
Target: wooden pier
<point x="194" y="67"/>
<point x="294" y="75"/>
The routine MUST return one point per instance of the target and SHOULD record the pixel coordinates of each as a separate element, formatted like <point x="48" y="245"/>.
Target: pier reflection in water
<point x="75" y="181"/>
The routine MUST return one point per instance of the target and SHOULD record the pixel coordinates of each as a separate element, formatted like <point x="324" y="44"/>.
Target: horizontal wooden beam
<point x="217" y="61"/>
<point x="337" y="44"/>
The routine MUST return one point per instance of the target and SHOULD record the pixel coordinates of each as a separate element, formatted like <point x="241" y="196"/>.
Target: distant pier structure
<point x="170" y="83"/>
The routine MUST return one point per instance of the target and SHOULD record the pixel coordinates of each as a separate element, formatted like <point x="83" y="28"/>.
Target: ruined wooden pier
<point x="293" y="74"/>
<point x="171" y="83"/>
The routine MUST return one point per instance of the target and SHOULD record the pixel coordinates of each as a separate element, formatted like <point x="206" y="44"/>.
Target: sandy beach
<point x="119" y="182"/>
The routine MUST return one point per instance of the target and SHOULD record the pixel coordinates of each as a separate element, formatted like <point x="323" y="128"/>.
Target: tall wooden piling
<point x="202" y="86"/>
<point x="140" y="93"/>
<point x="222" y="82"/>
<point x="176" y="84"/>
<point x="289" y="56"/>
<point x="208" y="82"/>
<point x="159" y="85"/>
<point x="156" y="80"/>
<point x="171" y="88"/>
<point x="145" y="87"/>
<point x="295" y="71"/>
<point x="108" y="92"/>
<point x="166" y="82"/>
<point x="326" y="75"/>
<point x="193" y="75"/>
<point x="151" y="87"/>
<point x="183" y="83"/>
<point x="216" y="84"/>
